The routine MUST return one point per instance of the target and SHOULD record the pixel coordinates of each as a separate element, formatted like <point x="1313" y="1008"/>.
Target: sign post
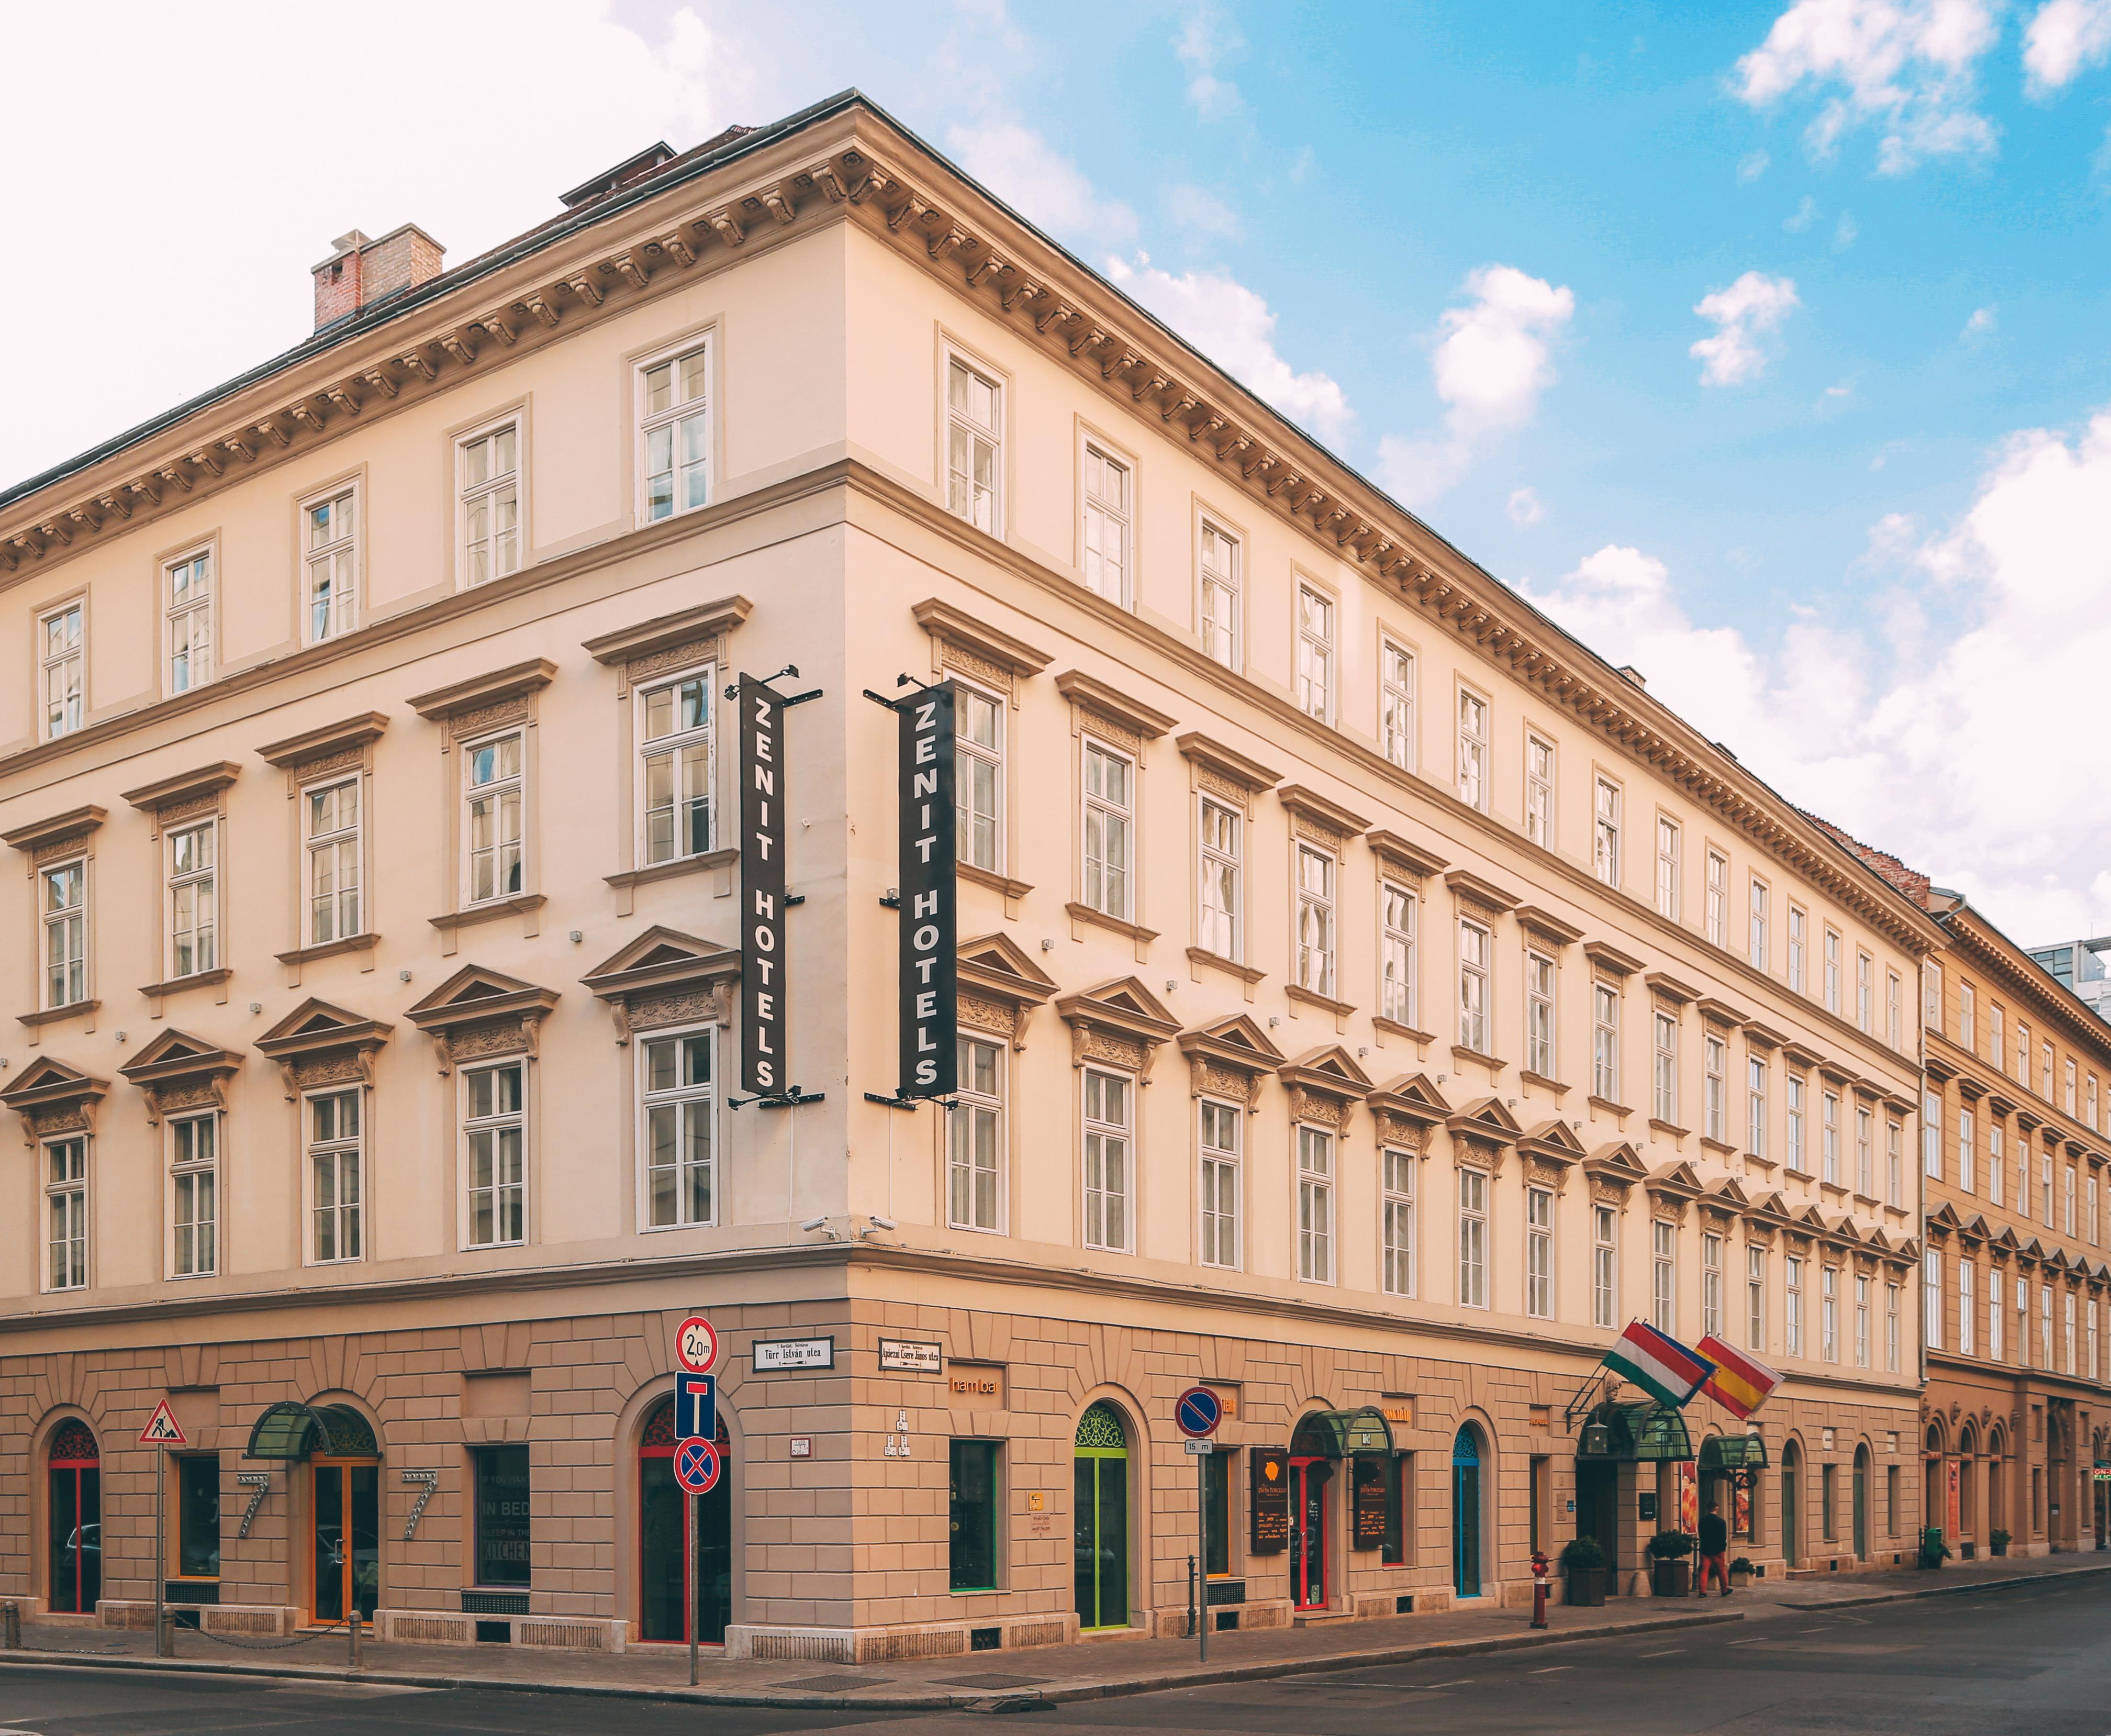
<point x="162" y="1432"/>
<point x="1196" y="1412"/>
<point x="696" y="1450"/>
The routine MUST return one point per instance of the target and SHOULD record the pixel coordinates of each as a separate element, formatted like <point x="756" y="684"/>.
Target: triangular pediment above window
<point x="1810" y="1217"/>
<point x="659" y="956"/>
<point x="321" y="1043"/>
<point x="1412" y="1097"/>
<point x="1554" y="1139"/>
<point x="1618" y="1160"/>
<point x="1238" y="1041"/>
<point x="1944" y="1217"/>
<point x="1331" y="1069"/>
<point x="2003" y="1240"/>
<point x="1769" y="1205"/>
<point x="997" y="964"/>
<point x="1125" y="1003"/>
<point x="315" y="1020"/>
<point x="472" y="986"/>
<point x="1728" y="1190"/>
<point x="1675" y="1177"/>
<point x="1486" y="1118"/>
<point x="47" y="1088"/>
<point x="480" y="1011"/>
<point x="179" y="1071"/>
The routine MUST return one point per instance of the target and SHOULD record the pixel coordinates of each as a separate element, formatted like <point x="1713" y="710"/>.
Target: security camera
<point x="814" y="1224"/>
<point x="881" y="1223"/>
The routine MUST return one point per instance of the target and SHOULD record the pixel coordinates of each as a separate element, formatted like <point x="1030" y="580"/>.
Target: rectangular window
<point x="1996" y="1184"/>
<point x="1474" y="944"/>
<point x="1755" y="1297"/>
<point x="193" y="856"/>
<point x="332" y="841"/>
<point x="1894" y="1163"/>
<point x="1315" y="1205"/>
<point x="1865" y="993"/>
<point x="1539" y="1253"/>
<point x="1894" y="1012"/>
<point x="1997" y="1040"/>
<point x="974" y="1129"/>
<point x="1931" y="998"/>
<point x="1396" y="704"/>
<point x="1865" y="1153"/>
<point x="2044" y="1327"/>
<point x="1220" y="1136"/>
<point x="1792" y="1306"/>
<point x="502" y="1516"/>
<point x="2066" y="1087"/>
<point x="1832" y="971"/>
<point x="1473" y="750"/>
<point x="1829" y="1500"/>
<point x="1891" y="1329"/>
<point x="1755" y="1106"/>
<point x="2022" y="1323"/>
<point x="1715" y="1076"/>
<point x="1217" y="1505"/>
<point x="1717" y="913"/>
<point x="1605" y="1042"/>
<point x="2044" y="1071"/>
<point x="1798" y="947"/>
<point x="675" y="750"/>
<point x="2045" y="1188"/>
<point x="331" y="565"/>
<point x="1396" y="960"/>
<point x="1861" y="1322"/>
<point x="681" y="1129"/>
<point x="197" y="1516"/>
<point x="336" y="1196"/>
<point x="1221" y="581"/>
<point x="1798" y="1160"/>
<point x="1539" y="1014"/>
<point x="1667" y="868"/>
<point x="2066" y="1332"/>
<point x="1106" y="1160"/>
<point x="1315" y="921"/>
<point x="193" y="1196"/>
<point x="188" y="585"/>
<point x="1665" y="1106"/>
<point x="1828" y="1319"/>
<point x="65" y="1211"/>
<point x="1931" y="1282"/>
<point x="491" y="504"/>
<point x="1606" y="832"/>
<point x="1110" y="811"/>
<point x="1315" y="653"/>
<point x="1930" y="1134"/>
<point x="1711" y="1285"/>
<point x="2094" y="1239"/>
<point x="1107" y="521"/>
<point x="1663" y="1276"/>
<point x="1222" y="852"/>
<point x="1473" y="1239"/>
<point x="494" y="799"/>
<point x="675" y="434"/>
<point x="2023" y="1054"/>
<point x="1967" y="1156"/>
<point x="1398" y="1470"/>
<point x="63" y="889"/>
<point x="971" y="1558"/>
<point x="1539" y="792"/>
<point x="1605" y="1267"/>
<point x="1968" y="1318"/>
<point x="494" y="1138"/>
<point x="1756" y="934"/>
<point x="1398" y="1247"/>
<point x="2067" y="1219"/>
<point x="979" y="778"/>
<point x="62" y="662"/>
<point x="1829" y="1153"/>
<point x="1997" y="1352"/>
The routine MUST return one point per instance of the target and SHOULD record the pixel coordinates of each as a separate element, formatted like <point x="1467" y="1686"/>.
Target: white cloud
<point x="1751" y="165"/>
<point x="1844" y="233"/>
<point x="1018" y="165"/>
<point x="1907" y="736"/>
<point x="1205" y="43"/>
<point x="1905" y="66"/>
<point x="1192" y="208"/>
<point x="1802" y="217"/>
<point x="1834" y="399"/>
<point x="1751" y="307"/>
<point x="1983" y="320"/>
<point x="1525" y="508"/>
<point x="2065" y="38"/>
<point x="1495" y="357"/>
<point x="1235" y="328"/>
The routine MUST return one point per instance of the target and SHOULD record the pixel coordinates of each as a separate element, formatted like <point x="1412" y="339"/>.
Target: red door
<point x="1308" y="1532"/>
<point x="73" y="1517"/>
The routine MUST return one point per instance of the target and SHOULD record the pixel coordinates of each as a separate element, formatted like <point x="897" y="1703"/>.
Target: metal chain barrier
<point x="11" y="1638"/>
<point x="266" y="1645"/>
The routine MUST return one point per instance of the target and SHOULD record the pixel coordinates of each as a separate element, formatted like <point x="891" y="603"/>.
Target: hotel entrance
<point x="1322" y="1441"/>
<point x="343" y="1462"/>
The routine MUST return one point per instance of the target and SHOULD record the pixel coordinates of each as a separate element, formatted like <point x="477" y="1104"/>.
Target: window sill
<point x="1832" y="1190"/>
<point x="520" y="904"/>
<point x="1202" y="955"/>
<point x="197" y="979"/>
<point x="330" y="949"/>
<point x="1765" y="1165"/>
<point x="59" y="1015"/>
<point x="1460" y="1051"/>
<point x="1096" y="919"/>
<point x="1013" y="890"/>
<point x="1618" y="1111"/>
<point x="1869" y="1203"/>
<point x="1326" y="1003"/>
<point x="1671" y="1128"/>
<point x="681" y="865"/>
<point x="1721" y="1147"/>
<point x="1544" y="1083"/>
<point x="1394" y="1027"/>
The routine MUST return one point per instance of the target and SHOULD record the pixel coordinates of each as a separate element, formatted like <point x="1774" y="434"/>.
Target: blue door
<point x="1466" y="1512"/>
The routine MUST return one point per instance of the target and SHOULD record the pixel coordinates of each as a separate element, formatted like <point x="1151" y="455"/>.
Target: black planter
<point x="1672" y="1579"/>
<point x="1586" y="1587"/>
<point x="1999" y="1548"/>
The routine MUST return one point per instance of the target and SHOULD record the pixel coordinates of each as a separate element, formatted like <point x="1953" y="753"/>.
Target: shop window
<point x="1217" y="1507"/>
<point x="502" y="1516"/>
<point x="197" y="1517"/>
<point x="971" y="1555"/>
<point x="1400" y="1505"/>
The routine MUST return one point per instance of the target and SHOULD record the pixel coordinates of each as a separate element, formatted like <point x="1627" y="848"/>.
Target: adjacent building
<point x="1370" y="1000"/>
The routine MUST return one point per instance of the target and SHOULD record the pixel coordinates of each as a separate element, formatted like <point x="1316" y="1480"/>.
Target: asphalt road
<point x="2031" y="1661"/>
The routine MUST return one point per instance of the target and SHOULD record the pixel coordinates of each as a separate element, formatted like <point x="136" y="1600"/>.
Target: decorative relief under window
<point x="480" y="718"/>
<point x="1213" y="783"/>
<point x="338" y="1067"/>
<point x="982" y="1014"/>
<point x="1400" y="1131"/>
<point x="176" y="812"/>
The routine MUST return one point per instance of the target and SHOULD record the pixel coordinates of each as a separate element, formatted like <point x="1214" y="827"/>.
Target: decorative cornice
<point x="295" y="751"/>
<point x="185" y="786"/>
<point x="1249" y="774"/>
<point x="1310" y="804"/>
<point x="1403" y="853"/>
<point x="957" y="627"/>
<point x="75" y="822"/>
<point x="1092" y="694"/>
<point x="663" y="632"/>
<point x="516" y="681"/>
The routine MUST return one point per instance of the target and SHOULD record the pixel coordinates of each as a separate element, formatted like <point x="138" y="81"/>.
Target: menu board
<point x="1270" y="1505"/>
<point x="1370" y="1501"/>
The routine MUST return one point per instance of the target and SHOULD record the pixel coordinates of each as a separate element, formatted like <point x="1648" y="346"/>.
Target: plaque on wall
<point x="1270" y="1503"/>
<point x="909" y="1357"/>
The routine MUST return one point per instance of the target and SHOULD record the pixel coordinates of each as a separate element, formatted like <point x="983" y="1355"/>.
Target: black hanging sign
<point x="1370" y="1531"/>
<point x="1269" y="1506"/>
<point x="761" y="888"/>
<point x="930" y="900"/>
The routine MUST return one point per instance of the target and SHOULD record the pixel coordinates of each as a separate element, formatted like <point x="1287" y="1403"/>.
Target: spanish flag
<point x="1741" y="1383"/>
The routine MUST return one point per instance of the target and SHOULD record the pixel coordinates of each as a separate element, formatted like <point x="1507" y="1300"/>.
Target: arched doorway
<point x="1968" y="1491"/>
<point x="1861" y="1503"/>
<point x="1466" y="1511"/>
<point x="1935" y="1483"/>
<point x="1100" y="1518"/>
<point x="664" y="1539"/>
<point x="1997" y="1484"/>
<point x="2060" y="1517"/>
<point x="345" y="1505"/>
<point x="2099" y="1489"/>
<point x="73" y="1516"/>
<point x="1310" y="1472"/>
<point x="1791" y="1498"/>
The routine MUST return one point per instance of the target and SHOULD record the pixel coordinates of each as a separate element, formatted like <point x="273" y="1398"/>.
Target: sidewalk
<point x="1097" y="1668"/>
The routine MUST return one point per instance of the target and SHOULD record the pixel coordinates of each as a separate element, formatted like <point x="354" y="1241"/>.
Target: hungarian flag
<point x="1741" y="1383"/>
<point x="1659" y="1364"/>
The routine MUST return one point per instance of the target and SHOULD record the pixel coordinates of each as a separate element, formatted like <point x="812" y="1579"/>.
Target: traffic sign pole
<point x="696" y="1587"/>
<point x="1196" y="1413"/>
<point x="1202" y="1532"/>
<point x="162" y="1648"/>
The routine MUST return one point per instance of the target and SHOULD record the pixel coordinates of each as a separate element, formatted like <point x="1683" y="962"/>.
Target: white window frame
<point x="1997" y="1349"/>
<point x="1473" y="1271"/>
<point x="1663" y="1276"/>
<point x="1470" y="737"/>
<point x="1931" y="1284"/>
<point x="1968" y="1017"/>
<point x="1103" y="1134"/>
<point x="66" y="1242"/>
<point x="1799" y="948"/>
<point x="1220" y="593"/>
<point x="1105" y="818"/>
<point x="1931" y="1135"/>
<point x="683" y="1098"/>
<point x="1792" y="1306"/>
<point x="1755" y="1105"/>
<point x="1997" y="1163"/>
<point x="333" y="579"/>
<point x="192" y="1175"/>
<point x="1220" y="1141"/>
<point x="1833" y="968"/>
<point x="1758" y="920"/>
<point x="337" y="846"/>
<point x="1605" y="1267"/>
<point x="495" y="1124"/>
<point x="1477" y="945"/>
<point x="1755" y="1297"/>
<point x="1796" y="1119"/>
<point x="1316" y="1203"/>
<point x="192" y="618"/>
<point x="1663" y="1077"/>
<point x="1861" y="1320"/>
<point x="1829" y="1138"/>
<point x="1894" y="1010"/>
<point x="1539" y="790"/>
<point x="1539" y="1253"/>
<point x="971" y="754"/>
<point x="347" y="1153"/>
<point x="1894" y="1161"/>
<point x="1968" y="1154"/>
<point x="1670" y="840"/>
<point x="1711" y="1286"/>
<point x="672" y="420"/>
<point x="1865" y="993"/>
<point x="1715" y="1077"/>
<point x="1605" y="822"/>
<point x="1715" y="910"/>
<point x="1540" y="1007"/>
<point x="676" y="748"/>
<point x="1315" y="940"/>
<point x="1396" y="685"/>
<point x="1865" y="1151"/>
<point x="201" y="882"/>
<point x="1400" y="920"/>
<point x="1829" y="1312"/>
<point x="1220" y="876"/>
<point x="1399" y="1183"/>
<point x="1102" y="517"/>
<point x="490" y="495"/>
<point x="1604" y="1040"/>
<point x="1967" y="1309"/>
<point x="64" y="935"/>
<point x="1318" y="628"/>
<point x="961" y="421"/>
<point x="62" y="670"/>
<point x="1891" y="1328"/>
<point x="510" y="877"/>
<point x="976" y="1107"/>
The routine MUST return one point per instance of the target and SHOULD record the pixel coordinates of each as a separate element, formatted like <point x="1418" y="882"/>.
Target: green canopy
<point x="292" y="1430"/>
<point x="1640" y="1431"/>
<point x="1733" y="1452"/>
<point x="1335" y="1434"/>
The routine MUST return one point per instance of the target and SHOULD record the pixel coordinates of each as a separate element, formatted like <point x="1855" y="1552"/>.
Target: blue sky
<point x="1765" y="345"/>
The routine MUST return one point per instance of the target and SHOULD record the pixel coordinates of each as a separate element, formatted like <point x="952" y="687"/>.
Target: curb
<point x="1964" y="1588"/>
<point x="902" y="1702"/>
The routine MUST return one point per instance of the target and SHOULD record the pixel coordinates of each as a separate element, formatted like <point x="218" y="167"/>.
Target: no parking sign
<point x="697" y="1466"/>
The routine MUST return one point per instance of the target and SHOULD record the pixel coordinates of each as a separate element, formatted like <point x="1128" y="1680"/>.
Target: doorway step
<point x="1321" y="1618"/>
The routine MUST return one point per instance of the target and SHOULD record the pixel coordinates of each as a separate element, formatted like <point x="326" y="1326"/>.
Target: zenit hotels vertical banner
<point x="762" y="889"/>
<point x="929" y="894"/>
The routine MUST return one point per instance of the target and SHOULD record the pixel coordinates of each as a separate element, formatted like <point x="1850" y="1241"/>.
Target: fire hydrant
<point x="1538" y="1589"/>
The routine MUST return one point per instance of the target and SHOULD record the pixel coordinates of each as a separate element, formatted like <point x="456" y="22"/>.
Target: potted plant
<point x="1997" y="1540"/>
<point x="1934" y="1552"/>
<point x="1741" y="1572"/>
<point x="1671" y="1573"/>
<point x="1583" y="1561"/>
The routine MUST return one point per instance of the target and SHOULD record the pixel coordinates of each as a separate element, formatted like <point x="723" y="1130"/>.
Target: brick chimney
<point x="360" y="272"/>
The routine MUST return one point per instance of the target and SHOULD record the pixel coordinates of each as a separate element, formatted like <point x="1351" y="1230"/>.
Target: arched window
<point x="664" y="1539"/>
<point x="1100" y="1518"/>
<point x="1466" y="1511"/>
<point x="73" y="1516"/>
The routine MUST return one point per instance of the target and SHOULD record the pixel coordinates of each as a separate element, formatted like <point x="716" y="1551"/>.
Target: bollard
<point x="352" y="1622"/>
<point x="1192" y="1629"/>
<point x="11" y="1626"/>
<point x="1538" y="1589"/>
<point x="164" y="1631"/>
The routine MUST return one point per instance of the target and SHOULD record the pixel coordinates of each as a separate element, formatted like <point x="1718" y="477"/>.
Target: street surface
<point x="2033" y="1660"/>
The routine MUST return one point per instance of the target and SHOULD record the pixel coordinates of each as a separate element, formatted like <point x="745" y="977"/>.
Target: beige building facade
<point x="1370" y="1000"/>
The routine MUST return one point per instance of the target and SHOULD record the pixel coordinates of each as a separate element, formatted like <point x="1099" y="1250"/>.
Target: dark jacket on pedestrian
<point x="1714" y="1534"/>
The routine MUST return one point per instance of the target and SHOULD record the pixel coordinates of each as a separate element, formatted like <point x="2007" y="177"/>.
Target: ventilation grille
<point x="241" y="1621"/>
<point x="443" y="1630"/>
<point x="817" y="1648"/>
<point x="579" y="1636"/>
<point x="1039" y="1633"/>
<point x="887" y="1648"/>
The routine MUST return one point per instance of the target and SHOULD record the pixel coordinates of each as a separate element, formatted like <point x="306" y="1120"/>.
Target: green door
<point x="1100" y="1518"/>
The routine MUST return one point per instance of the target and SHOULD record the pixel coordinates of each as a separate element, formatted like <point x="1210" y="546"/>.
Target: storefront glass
<point x="502" y="1516"/>
<point x="1099" y="1516"/>
<point x="972" y="1540"/>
